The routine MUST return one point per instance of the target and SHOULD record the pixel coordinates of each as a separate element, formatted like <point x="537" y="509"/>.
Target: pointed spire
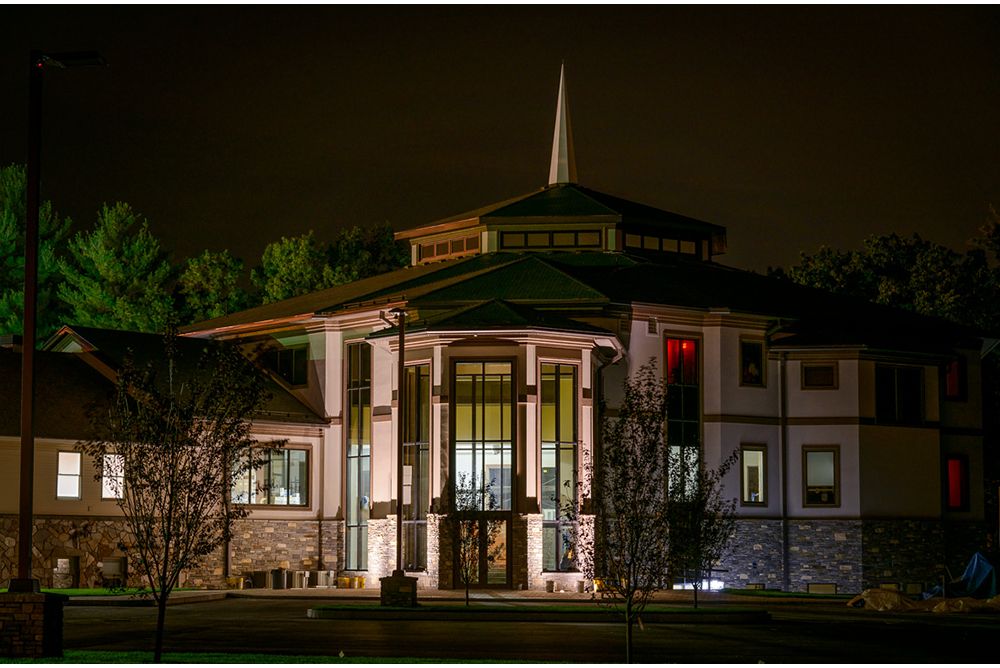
<point x="562" y="169"/>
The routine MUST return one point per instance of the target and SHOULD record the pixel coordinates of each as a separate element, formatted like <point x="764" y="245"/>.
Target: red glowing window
<point x="682" y="362"/>
<point x="954" y="380"/>
<point x="958" y="483"/>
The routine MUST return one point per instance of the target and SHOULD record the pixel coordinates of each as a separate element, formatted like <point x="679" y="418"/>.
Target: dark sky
<point x="792" y="126"/>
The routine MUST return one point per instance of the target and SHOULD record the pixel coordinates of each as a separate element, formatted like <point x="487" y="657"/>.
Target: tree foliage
<point x="117" y="275"/>
<point x="657" y="511"/>
<point x="209" y="286"/>
<point x="701" y="520"/>
<point x="170" y="447"/>
<point x="52" y="230"/>
<point x="631" y="545"/>
<point x="295" y="266"/>
<point x="914" y="274"/>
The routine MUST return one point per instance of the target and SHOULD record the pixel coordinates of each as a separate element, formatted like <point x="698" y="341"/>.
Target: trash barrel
<point x="277" y="578"/>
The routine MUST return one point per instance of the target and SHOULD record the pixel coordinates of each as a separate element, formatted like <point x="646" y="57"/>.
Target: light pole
<point x="400" y="314"/>
<point x="37" y="62"/>
<point x="399" y="588"/>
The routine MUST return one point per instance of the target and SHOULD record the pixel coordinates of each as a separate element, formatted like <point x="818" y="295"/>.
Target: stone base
<point x="31" y="625"/>
<point x="399" y="590"/>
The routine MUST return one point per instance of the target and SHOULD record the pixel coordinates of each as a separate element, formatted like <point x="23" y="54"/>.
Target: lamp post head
<point x="68" y="60"/>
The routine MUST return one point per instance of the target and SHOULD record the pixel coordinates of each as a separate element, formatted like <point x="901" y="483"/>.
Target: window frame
<point x="419" y="509"/>
<point x="761" y="448"/>
<point x="359" y="562"/>
<point x="559" y="524"/>
<point x="762" y="384"/>
<point x="897" y="418"/>
<point x="514" y="426"/>
<point x="280" y="350"/>
<point x="835" y="385"/>
<point x="78" y="475"/>
<point x="308" y="449"/>
<point x="835" y="449"/>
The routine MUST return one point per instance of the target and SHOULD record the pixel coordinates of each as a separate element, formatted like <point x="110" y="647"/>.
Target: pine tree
<point x="51" y="230"/>
<point x="116" y="275"/>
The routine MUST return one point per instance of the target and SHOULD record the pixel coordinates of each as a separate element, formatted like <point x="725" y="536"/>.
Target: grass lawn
<point x="131" y="591"/>
<point x="777" y="593"/>
<point x="528" y="607"/>
<point x="90" y="656"/>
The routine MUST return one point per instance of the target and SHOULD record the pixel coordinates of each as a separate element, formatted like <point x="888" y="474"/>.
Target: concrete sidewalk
<point x="321" y="595"/>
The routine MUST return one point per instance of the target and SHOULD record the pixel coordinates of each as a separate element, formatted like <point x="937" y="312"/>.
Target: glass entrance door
<point x="483" y="463"/>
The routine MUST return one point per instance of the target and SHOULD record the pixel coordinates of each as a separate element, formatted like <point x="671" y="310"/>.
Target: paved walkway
<point x="678" y="597"/>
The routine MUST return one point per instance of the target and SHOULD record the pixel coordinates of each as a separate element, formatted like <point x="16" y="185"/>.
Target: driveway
<point x="801" y="634"/>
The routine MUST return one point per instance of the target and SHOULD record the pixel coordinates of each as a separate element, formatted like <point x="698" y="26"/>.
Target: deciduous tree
<point x="292" y="266"/>
<point x="170" y="448"/>
<point x="471" y="530"/>
<point x="209" y="286"/>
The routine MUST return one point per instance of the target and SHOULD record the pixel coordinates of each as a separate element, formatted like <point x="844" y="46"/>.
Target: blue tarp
<point x="979" y="581"/>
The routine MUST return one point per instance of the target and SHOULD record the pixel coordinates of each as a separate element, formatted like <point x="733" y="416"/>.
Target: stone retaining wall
<point x="91" y="540"/>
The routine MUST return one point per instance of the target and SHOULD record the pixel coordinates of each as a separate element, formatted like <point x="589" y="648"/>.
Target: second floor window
<point x="68" y="476"/>
<point x="899" y="394"/>
<point x="290" y="364"/>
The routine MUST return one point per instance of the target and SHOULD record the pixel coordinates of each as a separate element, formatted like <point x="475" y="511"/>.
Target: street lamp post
<point x="399" y="588"/>
<point x="37" y="62"/>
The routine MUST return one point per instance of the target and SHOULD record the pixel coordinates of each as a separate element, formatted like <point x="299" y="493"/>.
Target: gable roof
<point x="110" y="348"/>
<point x="66" y="387"/>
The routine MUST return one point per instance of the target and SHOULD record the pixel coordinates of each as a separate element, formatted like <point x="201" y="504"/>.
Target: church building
<point x="858" y="428"/>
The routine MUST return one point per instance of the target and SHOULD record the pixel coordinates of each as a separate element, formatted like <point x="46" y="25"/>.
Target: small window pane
<point x="821" y="478"/>
<point x="670" y="245"/>
<point x="688" y="247"/>
<point x="564" y="239"/>
<point x="426" y="251"/>
<point x="513" y="239"/>
<point x="589" y="239"/>
<point x="112" y="477"/>
<point x="633" y="241"/>
<point x="69" y="462"/>
<point x="441" y="248"/>
<point x="753" y="463"/>
<point x="651" y="243"/>
<point x="68" y="487"/>
<point x="538" y="239"/>
<point x="472" y="243"/>
<point x="752" y="363"/>
<point x="819" y="376"/>
<point x="457" y="245"/>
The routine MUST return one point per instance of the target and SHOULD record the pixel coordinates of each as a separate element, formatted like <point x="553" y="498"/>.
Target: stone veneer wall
<point x="906" y="552"/>
<point x="825" y="551"/>
<point x="819" y="552"/>
<point x="754" y="555"/>
<point x="262" y="545"/>
<point x="90" y="539"/>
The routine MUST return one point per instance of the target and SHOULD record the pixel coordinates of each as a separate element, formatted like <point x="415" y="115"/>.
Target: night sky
<point x="229" y="127"/>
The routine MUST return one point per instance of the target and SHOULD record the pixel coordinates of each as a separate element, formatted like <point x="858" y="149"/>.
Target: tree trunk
<point x="467" y="592"/>
<point x="628" y="631"/>
<point x="696" y="585"/>
<point x="161" y="615"/>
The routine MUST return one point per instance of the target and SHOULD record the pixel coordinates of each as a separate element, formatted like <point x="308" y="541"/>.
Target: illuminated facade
<point x="858" y="428"/>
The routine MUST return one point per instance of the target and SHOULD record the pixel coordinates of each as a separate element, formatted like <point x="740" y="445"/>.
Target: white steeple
<point x="562" y="169"/>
